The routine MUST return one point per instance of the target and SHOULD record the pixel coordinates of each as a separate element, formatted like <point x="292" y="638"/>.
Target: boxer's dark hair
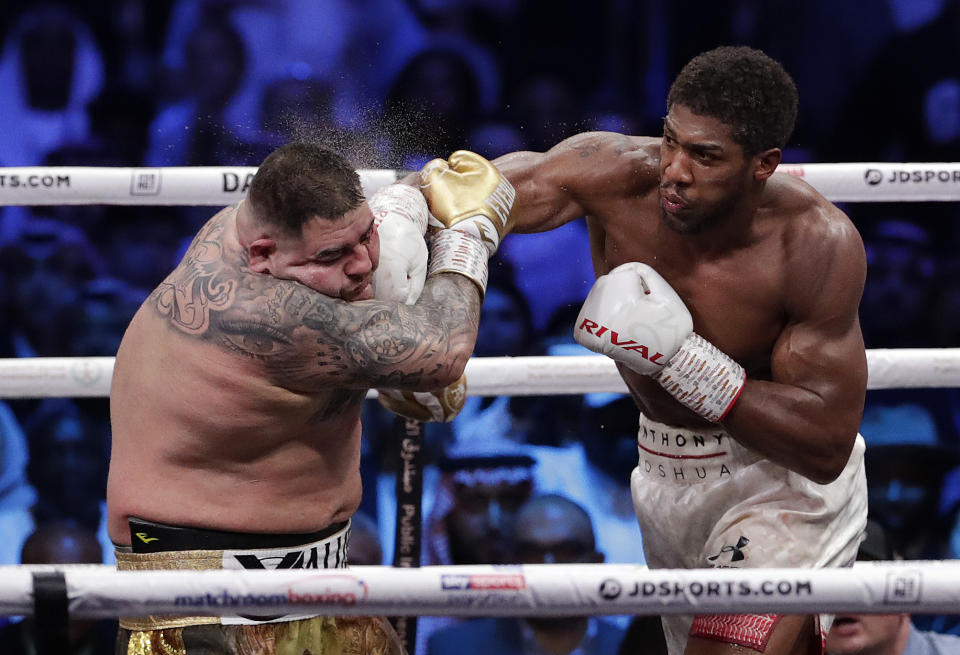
<point x="745" y="89"/>
<point x="301" y="181"/>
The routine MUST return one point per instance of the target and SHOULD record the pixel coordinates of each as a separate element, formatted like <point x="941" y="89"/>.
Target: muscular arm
<point x="380" y="344"/>
<point x="307" y="341"/>
<point x="557" y="186"/>
<point x="313" y="341"/>
<point x="814" y="403"/>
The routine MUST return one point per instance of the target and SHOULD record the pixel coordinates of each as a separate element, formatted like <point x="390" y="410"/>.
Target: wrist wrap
<point x="703" y="378"/>
<point x="453" y="251"/>
<point x="399" y="199"/>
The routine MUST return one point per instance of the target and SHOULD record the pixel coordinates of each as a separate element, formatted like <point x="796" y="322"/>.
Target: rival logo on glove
<point x="597" y="330"/>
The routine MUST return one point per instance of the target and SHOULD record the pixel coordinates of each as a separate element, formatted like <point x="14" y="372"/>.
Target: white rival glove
<point x="634" y="316"/>
<point x="400" y="214"/>
<point x="470" y="203"/>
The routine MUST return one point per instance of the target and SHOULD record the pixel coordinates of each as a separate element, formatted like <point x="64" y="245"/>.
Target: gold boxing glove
<point x="440" y="406"/>
<point x="469" y="194"/>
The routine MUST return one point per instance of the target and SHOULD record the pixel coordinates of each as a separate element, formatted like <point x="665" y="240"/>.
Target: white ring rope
<point x="78" y="377"/>
<point x="224" y="185"/>
<point x="529" y="590"/>
<point x="173" y="185"/>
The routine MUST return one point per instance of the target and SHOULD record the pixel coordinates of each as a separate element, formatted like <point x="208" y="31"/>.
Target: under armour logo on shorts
<point x="737" y="550"/>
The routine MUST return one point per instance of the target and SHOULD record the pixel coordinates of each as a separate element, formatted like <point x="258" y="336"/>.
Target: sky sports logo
<point x="483" y="582"/>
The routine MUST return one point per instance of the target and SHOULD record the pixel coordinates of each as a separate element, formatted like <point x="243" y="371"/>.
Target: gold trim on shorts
<point x="321" y="635"/>
<point x="315" y="554"/>
<point x="177" y="560"/>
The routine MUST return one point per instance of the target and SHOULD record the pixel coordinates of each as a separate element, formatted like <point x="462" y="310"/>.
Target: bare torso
<point x="774" y="282"/>
<point x="206" y="437"/>
<point x="740" y="294"/>
<point x="735" y="298"/>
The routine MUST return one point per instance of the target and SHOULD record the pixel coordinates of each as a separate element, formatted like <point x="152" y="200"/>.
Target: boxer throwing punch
<point x="238" y="386"/>
<point x="728" y="297"/>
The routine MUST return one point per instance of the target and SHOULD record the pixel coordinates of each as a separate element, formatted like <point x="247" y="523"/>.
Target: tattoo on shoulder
<point x="202" y="283"/>
<point x="624" y="144"/>
<point x="619" y="144"/>
<point x="587" y="149"/>
<point x="300" y="335"/>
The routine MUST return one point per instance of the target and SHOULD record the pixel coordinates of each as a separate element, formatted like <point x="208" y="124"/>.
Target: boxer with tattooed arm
<point x="238" y="386"/>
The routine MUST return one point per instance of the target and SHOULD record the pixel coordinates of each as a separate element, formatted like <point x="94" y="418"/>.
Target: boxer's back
<point x="205" y="436"/>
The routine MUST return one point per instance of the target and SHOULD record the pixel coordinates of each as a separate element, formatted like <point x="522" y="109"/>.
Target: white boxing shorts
<point x="703" y="500"/>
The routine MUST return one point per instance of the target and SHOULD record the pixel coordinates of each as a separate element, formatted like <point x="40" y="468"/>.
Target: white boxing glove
<point x="634" y="316"/>
<point x="400" y="214"/>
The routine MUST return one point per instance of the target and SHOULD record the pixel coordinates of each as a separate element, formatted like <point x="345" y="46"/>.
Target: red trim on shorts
<point x="655" y="452"/>
<point x="750" y="630"/>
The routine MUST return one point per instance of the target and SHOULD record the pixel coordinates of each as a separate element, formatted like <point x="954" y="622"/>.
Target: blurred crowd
<point x="392" y="84"/>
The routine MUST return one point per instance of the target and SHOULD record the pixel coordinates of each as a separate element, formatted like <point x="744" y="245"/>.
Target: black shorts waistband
<point x="150" y="537"/>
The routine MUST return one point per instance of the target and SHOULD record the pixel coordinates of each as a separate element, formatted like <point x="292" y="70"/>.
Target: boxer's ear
<point x="260" y="252"/>
<point x="766" y="163"/>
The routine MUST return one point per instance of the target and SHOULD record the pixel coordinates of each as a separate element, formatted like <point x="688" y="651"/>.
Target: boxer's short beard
<point x="695" y="226"/>
<point x="700" y="222"/>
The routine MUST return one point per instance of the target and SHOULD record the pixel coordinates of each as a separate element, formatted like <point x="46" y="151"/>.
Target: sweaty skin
<point x="771" y="272"/>
<point x="774" y="282"/>
<point x="236" y="395"/>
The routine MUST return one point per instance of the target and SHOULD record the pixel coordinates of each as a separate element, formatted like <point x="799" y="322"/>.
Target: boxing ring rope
<point x="529" y="590"/>
<point x="76" y="377"/>
<point x="224" y="185"/>
<point x="174" y="185"/>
